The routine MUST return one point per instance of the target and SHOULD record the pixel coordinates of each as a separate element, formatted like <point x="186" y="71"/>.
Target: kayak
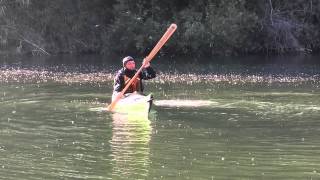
<point x="134" y="103"/>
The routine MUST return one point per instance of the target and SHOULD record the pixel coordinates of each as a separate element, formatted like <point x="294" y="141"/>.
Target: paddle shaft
<point x="154" y="51"/>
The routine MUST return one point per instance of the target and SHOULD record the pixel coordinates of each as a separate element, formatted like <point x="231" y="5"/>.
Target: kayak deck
<point x="134" y="103"/>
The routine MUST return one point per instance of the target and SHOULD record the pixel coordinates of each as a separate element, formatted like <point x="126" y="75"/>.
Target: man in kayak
<point x="127" y="72"/>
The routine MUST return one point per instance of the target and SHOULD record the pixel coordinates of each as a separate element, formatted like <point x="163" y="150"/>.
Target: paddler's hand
<point x="146" y="63"/>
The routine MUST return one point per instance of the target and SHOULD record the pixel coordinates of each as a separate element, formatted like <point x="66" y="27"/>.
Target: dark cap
<point x="126" y="59"/>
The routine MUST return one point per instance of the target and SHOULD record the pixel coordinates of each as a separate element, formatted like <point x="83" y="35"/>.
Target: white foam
<point x="183" y="103"/>
<point x="98" y="109"/>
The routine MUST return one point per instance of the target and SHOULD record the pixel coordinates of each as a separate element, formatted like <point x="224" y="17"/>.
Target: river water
<point x="212" y="119"/>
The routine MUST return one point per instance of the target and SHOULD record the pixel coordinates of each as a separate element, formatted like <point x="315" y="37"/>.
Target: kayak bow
<point x="134" y="103"/>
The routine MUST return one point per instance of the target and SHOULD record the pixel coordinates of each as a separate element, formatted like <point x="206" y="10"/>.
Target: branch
<point x="25" y="40"/>
<point x="271" y="12"/>
<point x="34" y="45"/>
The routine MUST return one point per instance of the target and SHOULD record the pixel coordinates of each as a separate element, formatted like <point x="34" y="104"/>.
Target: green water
<point x="229" y="129"/>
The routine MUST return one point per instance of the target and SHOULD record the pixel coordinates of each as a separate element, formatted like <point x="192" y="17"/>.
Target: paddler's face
<point x="131" y="65"/>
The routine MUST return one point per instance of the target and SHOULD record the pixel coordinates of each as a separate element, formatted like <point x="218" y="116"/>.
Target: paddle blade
<point x="109" y="108"/>
<point x="161" y="42"/>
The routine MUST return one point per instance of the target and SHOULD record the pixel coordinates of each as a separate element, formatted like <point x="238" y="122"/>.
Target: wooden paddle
<point x="147" y="59"/>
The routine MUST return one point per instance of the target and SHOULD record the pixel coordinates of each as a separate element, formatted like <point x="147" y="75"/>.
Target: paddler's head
<point x="128" y="63"/>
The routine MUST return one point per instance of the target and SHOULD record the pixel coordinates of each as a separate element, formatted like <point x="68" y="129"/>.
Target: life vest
<point x="134" y="86"/>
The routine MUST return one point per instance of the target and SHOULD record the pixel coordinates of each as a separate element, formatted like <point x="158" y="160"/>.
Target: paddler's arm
<point x="148" y="72"/>
<point x="118" y="83"/>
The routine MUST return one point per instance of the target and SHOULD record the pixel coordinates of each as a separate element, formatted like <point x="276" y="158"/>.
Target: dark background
<point x="118" y="27"/>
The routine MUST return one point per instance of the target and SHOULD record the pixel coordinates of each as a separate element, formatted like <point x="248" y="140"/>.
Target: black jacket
<point x="119" y="84"/>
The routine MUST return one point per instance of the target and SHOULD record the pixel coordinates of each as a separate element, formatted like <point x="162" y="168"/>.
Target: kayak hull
<point x="134" y="103"/>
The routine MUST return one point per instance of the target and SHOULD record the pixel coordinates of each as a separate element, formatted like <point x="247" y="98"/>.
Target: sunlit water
<point x="241" y="122"/>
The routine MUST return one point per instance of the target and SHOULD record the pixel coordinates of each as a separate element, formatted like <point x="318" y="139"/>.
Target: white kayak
<point x="134" y="103"/>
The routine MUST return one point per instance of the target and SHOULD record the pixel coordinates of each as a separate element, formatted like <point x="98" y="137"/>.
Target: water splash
<point x="98" y="109"/>
<point x="184" y="103"/>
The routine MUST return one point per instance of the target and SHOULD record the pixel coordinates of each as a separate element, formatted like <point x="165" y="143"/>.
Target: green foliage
<point x="205" y="28"/>
<point x="230" y="27"/>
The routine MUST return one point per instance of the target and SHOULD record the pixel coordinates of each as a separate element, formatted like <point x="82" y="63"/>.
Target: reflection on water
<point x="130" y="146"/>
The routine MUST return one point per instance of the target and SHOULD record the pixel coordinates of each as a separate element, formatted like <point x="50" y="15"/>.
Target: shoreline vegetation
<point x="116" y="27"/>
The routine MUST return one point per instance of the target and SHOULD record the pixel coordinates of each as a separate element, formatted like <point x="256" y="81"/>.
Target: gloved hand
<point x="146" y="63"/>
